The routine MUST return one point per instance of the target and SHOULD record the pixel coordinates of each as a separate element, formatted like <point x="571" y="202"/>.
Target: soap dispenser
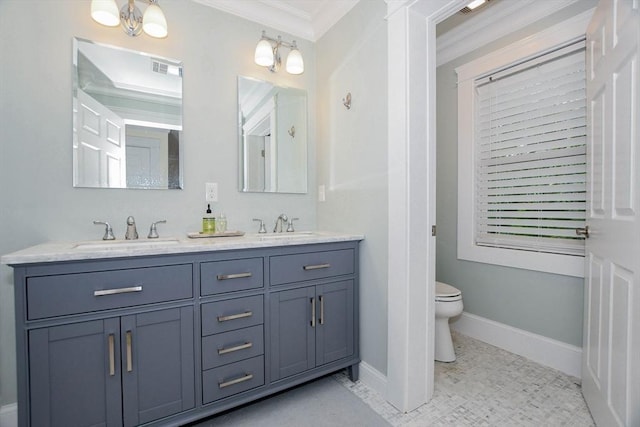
<point x="221" y="223"/>
<point x="208" y="222"/>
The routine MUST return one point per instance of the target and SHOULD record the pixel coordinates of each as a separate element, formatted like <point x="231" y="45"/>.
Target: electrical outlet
<point x="211" y="191"/>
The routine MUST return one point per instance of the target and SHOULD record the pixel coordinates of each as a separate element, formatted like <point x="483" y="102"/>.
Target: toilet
<point x="448" y="304"/>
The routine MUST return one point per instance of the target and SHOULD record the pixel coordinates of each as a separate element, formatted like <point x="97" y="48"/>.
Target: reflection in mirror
<point x="127" y="118"/>
<point x="272" y="129"/>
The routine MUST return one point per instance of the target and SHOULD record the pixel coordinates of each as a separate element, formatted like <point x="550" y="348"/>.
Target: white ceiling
<point x="307" y="19"/>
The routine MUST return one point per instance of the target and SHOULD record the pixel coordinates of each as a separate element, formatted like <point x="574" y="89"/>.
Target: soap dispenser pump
<point x="208" y="222"/>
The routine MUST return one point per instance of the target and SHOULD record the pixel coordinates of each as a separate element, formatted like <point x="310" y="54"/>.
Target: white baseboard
<point x="545" y="351"/>
<point x="9" y="415"/>
<point x="373" y="379"/>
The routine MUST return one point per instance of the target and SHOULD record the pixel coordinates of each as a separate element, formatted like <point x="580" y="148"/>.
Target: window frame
<point x="571" y="30"/>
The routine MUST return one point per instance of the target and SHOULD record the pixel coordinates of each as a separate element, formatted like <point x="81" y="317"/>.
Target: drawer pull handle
<point x="246" y="377"/>
<point x="236" y="348"/>
<point x="233" y="276"/>
<point x="112" y="355"/>
<point x="117" y="291"/>
<point x="129" y="353"/>
<point x="316" y="267"/>
<point x="313" y="312"/>
<point x="235" y="316"/>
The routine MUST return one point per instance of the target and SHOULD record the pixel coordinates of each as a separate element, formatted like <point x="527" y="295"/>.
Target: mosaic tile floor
<point x="487" y="386"/>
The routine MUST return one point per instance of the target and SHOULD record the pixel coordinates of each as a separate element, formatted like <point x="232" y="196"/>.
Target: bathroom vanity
<point x="166" y="334"/>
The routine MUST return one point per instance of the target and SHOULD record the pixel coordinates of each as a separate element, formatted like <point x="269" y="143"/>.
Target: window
<point x="522" y="157"/>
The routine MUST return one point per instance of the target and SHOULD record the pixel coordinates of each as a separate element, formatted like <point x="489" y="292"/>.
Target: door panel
<point x="334" y="333"/>
<point x="292" y="334"/>
<point x="100" y="150"/>
<point x="73" y="381"/>
<point x="157" y="364"/>
<point x="611" y="366"/>
<point x="623" y="182"/>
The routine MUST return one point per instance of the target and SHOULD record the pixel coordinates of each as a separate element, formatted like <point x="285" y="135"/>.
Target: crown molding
<point x="283" y="16"/>
<point x="491" y="24"/>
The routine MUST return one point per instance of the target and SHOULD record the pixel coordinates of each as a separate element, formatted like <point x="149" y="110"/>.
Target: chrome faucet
<point x="132" y="233"/>
<point x="108" y="231"/>
<point x="282" y="218"/>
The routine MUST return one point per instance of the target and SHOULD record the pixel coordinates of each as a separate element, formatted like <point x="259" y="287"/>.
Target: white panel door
<point x="611" y="345"/>
<point x="101" y="145"/>
<point x="147" y="157"/>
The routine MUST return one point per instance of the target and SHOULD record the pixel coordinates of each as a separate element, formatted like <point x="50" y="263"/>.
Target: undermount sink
<point x="285" y="235"/>
<point x="125" y="244"/>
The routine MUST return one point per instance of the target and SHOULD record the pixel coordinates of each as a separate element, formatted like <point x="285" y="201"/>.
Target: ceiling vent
<point x="167" y="69"/>
<point x="159" y="67"/>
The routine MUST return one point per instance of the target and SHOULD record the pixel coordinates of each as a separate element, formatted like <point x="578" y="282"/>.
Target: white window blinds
<point x="530" y="161"/>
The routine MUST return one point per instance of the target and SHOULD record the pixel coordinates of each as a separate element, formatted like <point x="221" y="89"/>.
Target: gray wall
<point x="352" y="156"/>
<point x="546" y="304"/>
<point x="38" y="201"/>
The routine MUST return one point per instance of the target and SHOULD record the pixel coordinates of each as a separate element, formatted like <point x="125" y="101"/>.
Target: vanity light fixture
<point x="267" y="54"/>
<point x="152" y="22"/>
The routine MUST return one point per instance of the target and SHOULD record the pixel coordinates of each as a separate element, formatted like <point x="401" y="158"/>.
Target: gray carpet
<point x="321" y="403"/>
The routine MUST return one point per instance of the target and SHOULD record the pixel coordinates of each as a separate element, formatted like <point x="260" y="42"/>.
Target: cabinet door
<point x="334" y="331"/>
<point x="74" y="375"/>
<point x="157" y="364"/>
<point x="292" y="332"/>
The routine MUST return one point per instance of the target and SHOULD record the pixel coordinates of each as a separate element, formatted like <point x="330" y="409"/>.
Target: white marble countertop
<point x="97" y="249"/>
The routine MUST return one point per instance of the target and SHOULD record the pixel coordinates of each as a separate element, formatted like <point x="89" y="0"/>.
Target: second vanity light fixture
<point x="133" y="22"/>
<point x="268" y="55"/>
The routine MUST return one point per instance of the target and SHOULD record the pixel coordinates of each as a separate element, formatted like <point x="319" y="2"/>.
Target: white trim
<point x="555" y="354"/>
<point x="309" y="25"/>
<point x="373" y="379"/>
<point x="493" y="23"/>
<point x="570" y="29"/>
<point x="9" y="415"/>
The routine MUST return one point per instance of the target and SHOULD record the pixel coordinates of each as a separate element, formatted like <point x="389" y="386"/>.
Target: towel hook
<point x="347" y="102"/>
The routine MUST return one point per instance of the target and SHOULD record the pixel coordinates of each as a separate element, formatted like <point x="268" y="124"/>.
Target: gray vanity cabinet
<point x="167" y="339"/>
<point x="116" y="371"/>
<point x="106" y="343"/>
<point x="312" y="321"/>
<point x="311" y="326"/>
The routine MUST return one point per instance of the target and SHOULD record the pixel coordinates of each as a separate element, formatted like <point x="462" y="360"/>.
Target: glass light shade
<point x="153" y="21"/>
<point x="295" y="64"/>
<point x="264" y="53"/>
<point x="105" y="12"/>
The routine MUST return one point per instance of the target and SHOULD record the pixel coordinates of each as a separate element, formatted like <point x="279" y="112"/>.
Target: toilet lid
<point x="446" y="291"/>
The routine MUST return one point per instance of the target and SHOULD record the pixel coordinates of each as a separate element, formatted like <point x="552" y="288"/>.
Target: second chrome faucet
<point x="281" y="220"/>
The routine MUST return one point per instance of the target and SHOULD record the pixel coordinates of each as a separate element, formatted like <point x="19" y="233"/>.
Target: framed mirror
<point x="127" y="118"/>
<point x="272" y="129"/>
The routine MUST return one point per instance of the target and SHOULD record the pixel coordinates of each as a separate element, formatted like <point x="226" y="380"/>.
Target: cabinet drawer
<point x="223" y="316"/>
<point x="308" y="266"/>
<point x="231" y="379"/>
<point x="228" y="276"/>
<point x="229" y="347"/>
<point x="84" y="292"/>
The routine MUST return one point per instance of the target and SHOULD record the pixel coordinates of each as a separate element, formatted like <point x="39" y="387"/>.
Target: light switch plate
<point x="321" y="193"/>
